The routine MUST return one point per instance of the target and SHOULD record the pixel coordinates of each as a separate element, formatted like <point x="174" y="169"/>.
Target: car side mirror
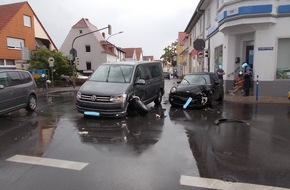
<point x="140" y="82"/>
<point x="2" y="86"/>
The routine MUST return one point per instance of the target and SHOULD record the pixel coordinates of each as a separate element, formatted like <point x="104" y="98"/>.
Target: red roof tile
<point x="181" y="38"/>
<point x="84" y="23"/>
<point x="8" y="11"/>
<point x="130" y="51"/>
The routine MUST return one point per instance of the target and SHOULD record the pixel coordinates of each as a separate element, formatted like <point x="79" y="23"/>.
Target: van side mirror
<point x="217" y="83"/>
<point x="140" y="82"/>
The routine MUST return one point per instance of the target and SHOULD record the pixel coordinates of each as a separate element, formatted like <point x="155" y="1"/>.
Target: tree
<point x="39" y="60"/>
<point x="170" y="53"/>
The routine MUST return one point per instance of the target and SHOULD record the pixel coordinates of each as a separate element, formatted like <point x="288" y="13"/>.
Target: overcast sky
<point x="149" y="24"/>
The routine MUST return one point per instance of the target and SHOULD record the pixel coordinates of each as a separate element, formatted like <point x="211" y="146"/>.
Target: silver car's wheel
<point x="32" y="103"/>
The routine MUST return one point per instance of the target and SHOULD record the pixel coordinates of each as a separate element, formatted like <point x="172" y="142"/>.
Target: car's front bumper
<point x="102" y="109"/>
<point x="196" y="102"/>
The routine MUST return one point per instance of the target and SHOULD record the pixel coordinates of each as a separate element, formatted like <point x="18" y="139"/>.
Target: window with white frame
<point x="15" y="43"/>
<point x="27" y="20"/>
<point x="208" y="18"/>
<point x="201" y="25"/>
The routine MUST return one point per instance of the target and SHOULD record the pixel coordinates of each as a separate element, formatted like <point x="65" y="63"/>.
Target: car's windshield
<point x="113" y="73"/>
<point x="196" y="79"/>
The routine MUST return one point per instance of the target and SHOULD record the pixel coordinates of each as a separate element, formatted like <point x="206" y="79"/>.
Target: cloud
<point x="149" y="24"/>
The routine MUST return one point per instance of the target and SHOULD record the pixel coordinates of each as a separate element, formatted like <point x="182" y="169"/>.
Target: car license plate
<point x="92" y="113"/>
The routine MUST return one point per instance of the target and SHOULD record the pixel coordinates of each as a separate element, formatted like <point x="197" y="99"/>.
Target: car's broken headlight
<point x="118" y="98"/>
<point x="173" y="90"/>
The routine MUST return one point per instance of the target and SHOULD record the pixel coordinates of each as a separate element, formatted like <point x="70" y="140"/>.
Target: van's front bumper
<point x="102" y="109"/>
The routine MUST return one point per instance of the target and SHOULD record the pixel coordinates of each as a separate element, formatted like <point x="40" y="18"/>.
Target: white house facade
<point x="92" y="49"/>
<point x="252" y="31"/>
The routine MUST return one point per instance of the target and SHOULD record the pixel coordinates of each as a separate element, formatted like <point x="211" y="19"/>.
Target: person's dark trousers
<point x="247" y="84"/>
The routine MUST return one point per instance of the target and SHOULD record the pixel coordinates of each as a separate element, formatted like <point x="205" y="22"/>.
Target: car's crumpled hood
<point x="103" y="88"/>
<point x="192" y="88"/>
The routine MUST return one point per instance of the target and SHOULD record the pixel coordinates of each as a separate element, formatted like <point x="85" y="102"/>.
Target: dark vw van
<point x="109" y="90"/>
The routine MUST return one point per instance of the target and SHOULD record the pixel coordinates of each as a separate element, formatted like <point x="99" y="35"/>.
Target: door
<point x="250" y="55"/>
<point x="140" y="90"/>
<point x="5" y="99"/>
<point x="17" y="91"/>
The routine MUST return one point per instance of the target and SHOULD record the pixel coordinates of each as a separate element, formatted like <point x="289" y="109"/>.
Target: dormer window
<point x="27" y="20"/>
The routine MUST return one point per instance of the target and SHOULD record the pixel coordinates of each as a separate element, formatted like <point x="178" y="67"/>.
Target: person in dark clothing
<point x="220" y="73"/>
<point x="247" y="78"/>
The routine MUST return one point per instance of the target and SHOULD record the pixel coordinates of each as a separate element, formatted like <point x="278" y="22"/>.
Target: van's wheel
<point x="139" y="106"/>
<point x="158" y="100"/>
<point x="32" y="103"/>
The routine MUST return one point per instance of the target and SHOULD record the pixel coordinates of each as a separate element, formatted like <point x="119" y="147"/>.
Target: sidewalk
<point x="261" y="99"/>
<point x="228" y="97"/>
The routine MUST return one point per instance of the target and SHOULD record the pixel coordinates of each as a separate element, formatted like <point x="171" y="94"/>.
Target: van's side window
<point x="15" y="78"/>
<point x="3" y="79"/>
<point x="142" y="72"/>
<point x="155" y="71"/>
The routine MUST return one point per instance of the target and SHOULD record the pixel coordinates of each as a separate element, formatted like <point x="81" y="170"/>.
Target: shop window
<point x="218" y="57"/>
<point x="283" y="64"/>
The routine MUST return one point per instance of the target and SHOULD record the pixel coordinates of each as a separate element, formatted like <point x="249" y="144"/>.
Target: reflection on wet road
<point x="241" y="143"/>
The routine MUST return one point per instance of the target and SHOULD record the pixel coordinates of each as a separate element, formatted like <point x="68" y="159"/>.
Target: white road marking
<point x="219" y="184"/>
<point x="48" y="162"/>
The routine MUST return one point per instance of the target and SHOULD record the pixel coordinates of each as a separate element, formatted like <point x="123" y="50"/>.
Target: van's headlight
<point x="79" y="95"/>
<point x="173" y="90"/>
<point x="118" y="98"/>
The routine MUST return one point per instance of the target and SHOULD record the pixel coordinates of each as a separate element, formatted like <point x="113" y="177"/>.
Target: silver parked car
<point x="17" y="90"/>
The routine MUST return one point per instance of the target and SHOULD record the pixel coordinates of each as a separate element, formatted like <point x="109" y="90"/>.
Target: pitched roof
<point x="148" y="58"/>
<point x="8" y="11"/>
<point x="129" y="52"/>
<point x="108" y="47"/>
<point x="181" y="38"/>
<point x="138" y="53"/>
<point x="84" y="23"/>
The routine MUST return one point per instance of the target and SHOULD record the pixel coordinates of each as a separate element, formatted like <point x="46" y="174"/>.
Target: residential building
<point x="252" y="31"/>
<point x="92" y="47"/>
<point x="148" y="58"/>
<point x="20" y="33"/>
<point x="133" y="54"/>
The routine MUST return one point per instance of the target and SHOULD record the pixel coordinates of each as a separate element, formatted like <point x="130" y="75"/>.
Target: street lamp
<point x="73" y="52"/>
<point x="114" y="35"/>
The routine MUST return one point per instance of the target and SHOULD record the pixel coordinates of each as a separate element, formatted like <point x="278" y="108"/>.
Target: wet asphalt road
<point x="246" y="143"/>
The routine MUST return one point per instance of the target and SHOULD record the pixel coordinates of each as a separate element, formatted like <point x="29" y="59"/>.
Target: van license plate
<point x="92" y="113"/>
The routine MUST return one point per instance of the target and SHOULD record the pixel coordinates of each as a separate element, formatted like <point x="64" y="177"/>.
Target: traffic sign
<point x="199" y="44"/>
<point x="51" y="61"/>
<point x="200" y="54"/>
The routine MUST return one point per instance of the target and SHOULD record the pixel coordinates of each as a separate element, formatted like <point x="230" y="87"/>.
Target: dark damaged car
<point x="197" y="90"/>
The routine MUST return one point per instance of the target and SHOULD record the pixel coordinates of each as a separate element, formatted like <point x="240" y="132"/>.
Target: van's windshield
<point x="113" y="74"/>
